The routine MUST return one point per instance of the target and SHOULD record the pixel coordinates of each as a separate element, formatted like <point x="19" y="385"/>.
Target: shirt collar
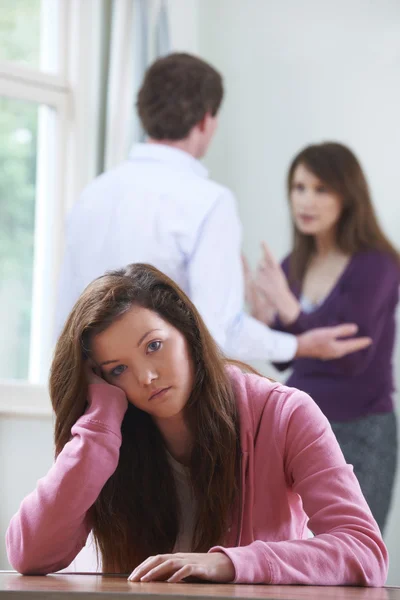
<point x="168" y="154"/>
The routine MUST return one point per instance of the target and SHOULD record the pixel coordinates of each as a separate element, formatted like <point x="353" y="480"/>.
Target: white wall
<point x="183" y="23"/>
<point x="297" y="73"/>
<point x="26" y="454"/>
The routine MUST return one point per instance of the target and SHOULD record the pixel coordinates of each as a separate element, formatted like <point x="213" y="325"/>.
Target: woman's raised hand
<point x="259" y="305"/>
<point x="272" y="283"/>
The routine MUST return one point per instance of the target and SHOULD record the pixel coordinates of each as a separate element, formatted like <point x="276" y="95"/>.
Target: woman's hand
<point x="272" y="283"/>
<point x="249" y="284"/>
<point x="174" y="568"/>
<point x="260" y="307"/>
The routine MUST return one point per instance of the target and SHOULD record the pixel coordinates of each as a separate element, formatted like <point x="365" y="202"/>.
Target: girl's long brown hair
<point x="358" y="229"/>
<point x="136" y="514"/>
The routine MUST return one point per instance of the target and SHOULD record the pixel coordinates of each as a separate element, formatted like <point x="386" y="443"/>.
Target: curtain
<point x="135" y="33"/>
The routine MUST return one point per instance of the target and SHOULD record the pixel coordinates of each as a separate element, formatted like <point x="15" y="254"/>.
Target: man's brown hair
<point x="177" y="92"/>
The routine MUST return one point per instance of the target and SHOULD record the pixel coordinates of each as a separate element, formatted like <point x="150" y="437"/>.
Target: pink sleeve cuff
<point x="250" y="563"/>
<point x="107" y="405"/>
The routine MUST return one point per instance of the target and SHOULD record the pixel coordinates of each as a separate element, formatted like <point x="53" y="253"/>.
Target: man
<point x="160" y="207"/>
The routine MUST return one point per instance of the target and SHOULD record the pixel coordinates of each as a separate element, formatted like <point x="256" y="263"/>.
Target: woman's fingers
<point x="183" y="573"/>
<point x="172" y="568"/>
<point x="162" y="571"/>
<point x="268" y="257"/>
<point x="176" y="567"/>
<point x="145" y="566"/>
<point x="246" y="266"/>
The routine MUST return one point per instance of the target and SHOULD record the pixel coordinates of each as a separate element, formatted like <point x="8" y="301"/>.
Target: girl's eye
<point x="154" y="346"/>
<point x="299" y="187"/>
<point x="321" y="189"/>
<point x="118" y="371"/>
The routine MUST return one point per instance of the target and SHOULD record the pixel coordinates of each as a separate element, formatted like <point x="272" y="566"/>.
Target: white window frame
<point x="74" y="94"/>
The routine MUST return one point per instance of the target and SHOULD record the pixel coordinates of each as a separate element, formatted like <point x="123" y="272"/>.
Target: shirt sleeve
<point x="52" y="524"/>
<point x="347" y="547"/>
<point x="217" y="289"/>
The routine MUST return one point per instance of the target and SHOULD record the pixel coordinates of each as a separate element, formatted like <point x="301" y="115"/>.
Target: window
<point x="30" y="32"/>
<point x="18" y="157"/>
<point x="20" y="31"/>
<point x="50" y="74"/>
<point x="32" y="113"/>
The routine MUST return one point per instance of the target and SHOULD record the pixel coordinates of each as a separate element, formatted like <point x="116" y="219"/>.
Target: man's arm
<point x="216" y="288"/>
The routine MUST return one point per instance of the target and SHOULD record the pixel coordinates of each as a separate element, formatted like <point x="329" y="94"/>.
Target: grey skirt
<point x="370" y="445"/>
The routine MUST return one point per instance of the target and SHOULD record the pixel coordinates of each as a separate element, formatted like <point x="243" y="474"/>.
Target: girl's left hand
<point x="272" y="282"/>
<point x="173" y="568"/>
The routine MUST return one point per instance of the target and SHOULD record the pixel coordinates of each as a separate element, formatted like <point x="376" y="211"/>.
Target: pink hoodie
<point x="291" y="467"/>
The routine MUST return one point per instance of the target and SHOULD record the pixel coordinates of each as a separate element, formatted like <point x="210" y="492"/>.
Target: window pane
<point x="29" y="33"/>
<point x="18" y="142"/>
<point x="20" y="31"/>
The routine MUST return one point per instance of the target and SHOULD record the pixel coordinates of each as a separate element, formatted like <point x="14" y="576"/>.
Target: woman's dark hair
<point x="358" y="229"/>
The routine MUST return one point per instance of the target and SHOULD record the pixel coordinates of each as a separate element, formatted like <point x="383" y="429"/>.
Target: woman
<point x="179" y="463"/>
<point x="341" y="268"/>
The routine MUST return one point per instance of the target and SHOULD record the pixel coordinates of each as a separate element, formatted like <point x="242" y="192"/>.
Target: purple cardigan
<point x="362" y="383"/>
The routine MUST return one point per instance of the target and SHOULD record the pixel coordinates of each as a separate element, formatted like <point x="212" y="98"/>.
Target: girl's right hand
<point x="93" y="373"/>
<point x="93" y="377"/>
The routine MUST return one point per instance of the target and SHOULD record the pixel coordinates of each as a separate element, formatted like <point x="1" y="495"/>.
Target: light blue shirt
<point x="159" y="207"/>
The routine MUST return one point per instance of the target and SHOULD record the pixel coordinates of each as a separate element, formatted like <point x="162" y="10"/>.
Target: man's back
<point x="151" y="208"/>
<point x="158" y="207"/>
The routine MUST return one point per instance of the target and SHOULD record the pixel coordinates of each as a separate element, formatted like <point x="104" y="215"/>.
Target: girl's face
<point x="149" y="360"/>
<point x="316" y="209"/>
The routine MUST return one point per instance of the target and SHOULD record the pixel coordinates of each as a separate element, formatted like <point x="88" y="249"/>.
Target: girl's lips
<point x="158" y="393"/>
<point x="306" y="218"/>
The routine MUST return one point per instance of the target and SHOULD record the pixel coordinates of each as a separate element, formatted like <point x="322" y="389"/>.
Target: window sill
<point x="20" y="398"/>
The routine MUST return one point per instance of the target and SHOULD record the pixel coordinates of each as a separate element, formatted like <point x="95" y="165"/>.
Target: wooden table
<point x="102" y="587"/>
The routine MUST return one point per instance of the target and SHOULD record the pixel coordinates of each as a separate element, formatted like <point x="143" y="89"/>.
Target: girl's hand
<point x="174" y="568"/>
<point x="93" y="373"/>
<point x="93" y="376"/>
